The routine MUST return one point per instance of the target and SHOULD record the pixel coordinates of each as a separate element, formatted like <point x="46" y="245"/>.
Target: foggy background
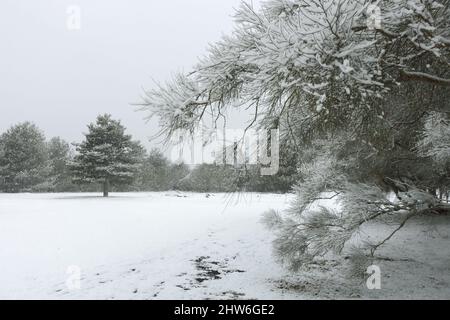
<point x="62" y="79"/>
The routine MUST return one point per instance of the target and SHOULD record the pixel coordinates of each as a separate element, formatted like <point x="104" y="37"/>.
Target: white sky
<point x="62" y="79"/>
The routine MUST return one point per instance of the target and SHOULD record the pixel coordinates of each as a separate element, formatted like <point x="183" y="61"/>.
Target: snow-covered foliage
<point x="23" y="158"/>
<point x="329" y="211"/>
<point x="322" y="59"/>
<point x="436" y="139"/>
<point x="107" y="155"/>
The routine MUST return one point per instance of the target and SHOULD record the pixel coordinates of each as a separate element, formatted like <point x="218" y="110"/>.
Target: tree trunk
<point x="106" y="188"/>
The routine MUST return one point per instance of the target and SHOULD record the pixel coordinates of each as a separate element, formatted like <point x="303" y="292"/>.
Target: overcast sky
<point x="62" y="79"/>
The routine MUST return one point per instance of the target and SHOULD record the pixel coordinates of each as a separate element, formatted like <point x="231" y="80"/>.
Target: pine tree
<point x="23" y="160"/>
<point x="107" y="156"/>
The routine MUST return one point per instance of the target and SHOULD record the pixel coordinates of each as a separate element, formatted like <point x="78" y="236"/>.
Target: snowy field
<point x="189" y="246"/>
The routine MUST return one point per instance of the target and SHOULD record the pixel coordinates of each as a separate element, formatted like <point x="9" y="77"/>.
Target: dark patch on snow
<point x="234" y="271"/>
<point x="182" y="287"/>
<point x="299" y="286"/>
<point x="233" y="294"/>
<point x="207" y="269"/>
<point x="211" y="270"/>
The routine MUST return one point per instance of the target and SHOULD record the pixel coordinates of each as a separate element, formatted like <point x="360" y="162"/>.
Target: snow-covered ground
<point x="189" y="246"/>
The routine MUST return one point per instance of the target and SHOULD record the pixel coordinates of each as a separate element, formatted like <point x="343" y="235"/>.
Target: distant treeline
<point x="31" y="163"/>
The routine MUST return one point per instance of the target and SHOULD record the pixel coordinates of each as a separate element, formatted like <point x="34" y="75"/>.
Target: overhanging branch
<point x="420" y="76"/>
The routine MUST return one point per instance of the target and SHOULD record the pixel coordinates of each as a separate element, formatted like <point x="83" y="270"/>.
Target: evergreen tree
<point x="107" y="156"/>
<point x="23" y="161"/>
